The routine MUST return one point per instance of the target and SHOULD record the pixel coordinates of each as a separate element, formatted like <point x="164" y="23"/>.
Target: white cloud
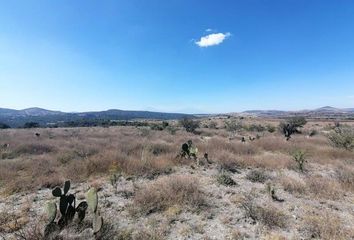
<point x="209" y="30"/>
<point x="212" y="39"/>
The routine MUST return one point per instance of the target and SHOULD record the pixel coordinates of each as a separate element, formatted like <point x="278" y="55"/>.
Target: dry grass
<point x="79" y="153"/>
<point x="322" y="187"/>
<point x="167" y="192"/>
<point x="257" y="175"/>
<point x="326" y="226"/>
<point x="11" y="222"/>
<point x="269" y="160"/>
<point x="268" y="214"/>
<point x="146" y="162"/>
<point x="293" y="185"/>
<point x="345" y="175"/>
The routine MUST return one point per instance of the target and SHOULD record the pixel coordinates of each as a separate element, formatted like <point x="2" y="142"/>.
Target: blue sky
<point x="150" y="55"/>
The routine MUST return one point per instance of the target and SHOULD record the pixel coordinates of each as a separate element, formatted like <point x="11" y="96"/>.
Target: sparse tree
<point x="189" y="124"/>
<point x="4" y="126"/>
<point x="31" y="125"/>
<point x="292" y="126"/>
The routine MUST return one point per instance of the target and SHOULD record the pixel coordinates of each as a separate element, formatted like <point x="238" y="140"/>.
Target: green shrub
<point x="271" y="128"/>
<point x="291" y="126"/>
<point x="342" y="137"/>
<point x="233" y="125"/>
<point x="299" y="157"/>
<point x="255" y="128"/>
<point x="189" y="124"/>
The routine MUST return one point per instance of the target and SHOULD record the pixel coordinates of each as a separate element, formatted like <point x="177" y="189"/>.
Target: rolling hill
<point x="17" y="118"/>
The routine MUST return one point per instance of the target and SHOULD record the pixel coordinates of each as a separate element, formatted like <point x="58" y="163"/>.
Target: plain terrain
<point x="146" y="192"/>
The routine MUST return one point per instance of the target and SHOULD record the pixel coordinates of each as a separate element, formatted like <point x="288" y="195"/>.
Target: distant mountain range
<point x="323" y="112"/>
<point x="17" y="118"/>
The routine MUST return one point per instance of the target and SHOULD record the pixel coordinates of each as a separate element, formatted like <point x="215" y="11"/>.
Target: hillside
<point x="323" y="112"/>
<point x="17" y="118"/>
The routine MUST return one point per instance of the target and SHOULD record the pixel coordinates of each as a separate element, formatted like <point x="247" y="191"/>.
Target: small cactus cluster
<point x="271" y="190"/>
<point x="68" y="209"/>
<point x="66" y="204"/>
<point x="188" y="150"/>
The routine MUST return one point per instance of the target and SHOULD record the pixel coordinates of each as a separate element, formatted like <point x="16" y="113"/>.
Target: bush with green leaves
<point x="270" y="128"/>
<point x="255" y="127"/>
<point x="342" y="137"/>
<point x="233" y="125"/>
<point x="299" y="157"/>
<point x="189" y="124"/>
<point x="291" y="126"/>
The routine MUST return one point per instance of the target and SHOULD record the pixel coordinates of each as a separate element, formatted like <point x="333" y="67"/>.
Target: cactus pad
<point x="81" y="210"/>
<point x="92" y="199"/>
<point x="97" y="223"/>
<point x="56" y="192"/>
<point x="51" y="211"/>
<point x="66" y="187"/>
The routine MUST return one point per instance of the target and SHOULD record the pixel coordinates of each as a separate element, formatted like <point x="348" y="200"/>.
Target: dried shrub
<point x="325" y="225"/>
<point x="345" y="176"/>
<point x="225" y="179"/>
<point x="322" y="187"/>
<point x="293" y="185"/>
<point x="167" y="192"/>
<point x="269" y="215"/>
<point x="33" y="149"/>
<point x="257" y="175"/>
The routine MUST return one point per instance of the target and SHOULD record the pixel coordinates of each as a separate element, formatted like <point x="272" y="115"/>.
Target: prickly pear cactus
<point x="66" y="204"/>
<point x="51" y="211"/>
<point x="97" y="223"/>
<point x="66" y="187"/>
<point x="92" y="199"/>
<point x="81" y="210"/>
<point x="193" y="150"/>
<point x="92" y="202"/>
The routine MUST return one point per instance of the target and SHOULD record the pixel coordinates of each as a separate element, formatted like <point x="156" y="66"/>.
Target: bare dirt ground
<point x="145" y="192"/>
